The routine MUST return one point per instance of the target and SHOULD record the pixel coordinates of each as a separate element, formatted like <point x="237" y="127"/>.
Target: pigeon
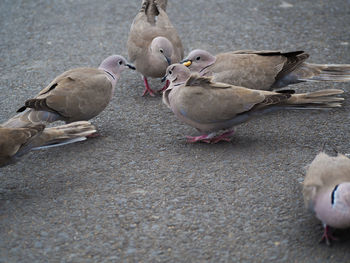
<point x="15" y="142"/>
<point x="76" y="95"/>
<point x="211" y="107"/>
<point x="326" y="191"/>
<point x="153" y="42"/>
<point x="263" y="70"/>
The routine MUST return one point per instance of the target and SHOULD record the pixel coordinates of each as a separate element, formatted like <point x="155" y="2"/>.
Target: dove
<point x="212" y="107"/>
<point x="326" y="191"/>
<point x="15" y="142"/>
<point x="76" y="95"/>
<point x="153" y="43"/>
<point x="263" y="70"/>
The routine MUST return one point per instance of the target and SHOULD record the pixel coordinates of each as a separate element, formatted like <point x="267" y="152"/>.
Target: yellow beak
<point x="187" y="63"/>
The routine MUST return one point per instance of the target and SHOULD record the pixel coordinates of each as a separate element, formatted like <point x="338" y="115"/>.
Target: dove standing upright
<point x="263" y="70"/>
<point x="77" y="94"/>
<point x="326" y="191"/>
<point x="153" y="42"/>
<point x="14" y="142"/>
<point x="212" y="107"/>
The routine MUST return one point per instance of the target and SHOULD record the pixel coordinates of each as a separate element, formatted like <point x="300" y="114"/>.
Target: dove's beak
<point x="164" y="78"/>
<point x="130" y="66"/>
<point x="186" y="62"/>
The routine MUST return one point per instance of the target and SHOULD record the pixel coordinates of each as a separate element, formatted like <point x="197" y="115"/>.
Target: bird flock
<point x="212" y="93"/>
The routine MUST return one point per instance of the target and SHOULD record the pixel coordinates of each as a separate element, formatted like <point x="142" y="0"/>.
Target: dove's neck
<point x="111" y="76"/>
<point x="332" y="210"/>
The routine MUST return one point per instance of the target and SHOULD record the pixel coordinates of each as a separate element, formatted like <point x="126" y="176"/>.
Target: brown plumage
<point x="14" y="142"/>
<point x="153" y="42"/>
<point x="263" y="70"/>
<point x="211" y="106"/>
<point x="75" y="95"/>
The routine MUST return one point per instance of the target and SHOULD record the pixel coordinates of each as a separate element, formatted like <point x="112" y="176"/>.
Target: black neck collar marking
<point x="110" y="74"/>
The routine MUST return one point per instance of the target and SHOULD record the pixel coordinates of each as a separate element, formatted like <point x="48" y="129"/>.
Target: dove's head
<point x="162" y="49"/>
<point x="177" y="74"/>
<point x="333" y="207"/>
<point x="198" y="60"/>
<point x="114" y="65"/>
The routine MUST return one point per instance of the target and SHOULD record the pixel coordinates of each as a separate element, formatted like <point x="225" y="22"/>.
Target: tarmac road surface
<point x="139" y="192"/>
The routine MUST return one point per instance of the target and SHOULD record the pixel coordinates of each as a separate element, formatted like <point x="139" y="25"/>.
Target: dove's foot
<point x="327" y="236"/>
<point x="223" y="137"/>
<point x="202" y="138"/>
<point x="211" y="138"/>
<point x="148" y="90"/>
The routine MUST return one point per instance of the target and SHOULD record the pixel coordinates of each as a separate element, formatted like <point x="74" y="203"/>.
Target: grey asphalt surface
<point x="140" y="193"/>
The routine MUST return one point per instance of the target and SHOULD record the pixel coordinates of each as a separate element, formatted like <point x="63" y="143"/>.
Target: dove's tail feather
<point x="151" y="9"/>
<point x="323" y="72"/>
<point x="60" y="135"/>
<point x="315" y="100"/>
<point x="64" y="142"/>
<point x="30" y="117"/>
<point x="160" y="3"/>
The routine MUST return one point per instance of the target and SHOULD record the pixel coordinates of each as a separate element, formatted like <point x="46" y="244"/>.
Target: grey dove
<point x="153" y="42"/>
<point x="326" y="191"/>
<point x="15" y="142"/>
<point x="75" y="95"/>
<point x="263" y="70"/>
<point x="212" y="107"/>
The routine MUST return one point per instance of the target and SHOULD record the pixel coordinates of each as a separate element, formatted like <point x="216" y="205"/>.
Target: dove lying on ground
<point x="326" y="191"/>
<point x="153" y="42"/>
<point x="263" y="70"/>
<point x="77" y="94"/>
<point x="212" y="107"/>
<point x="15" y="142"/>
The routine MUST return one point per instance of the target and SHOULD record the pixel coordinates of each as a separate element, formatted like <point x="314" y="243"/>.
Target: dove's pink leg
<point x="223" y="137"/>
<point x="327" y="235"/>
<point x="147" y="88"/>
<point x="201" y="138"/>
<point x="165" y="86"/>
<point x="211" y="138"/>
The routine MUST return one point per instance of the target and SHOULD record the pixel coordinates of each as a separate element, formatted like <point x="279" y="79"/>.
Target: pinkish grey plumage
<point x="263" y="70"/>
<point x="153" y="43"/>
<point x="211" y="107"/>
<point x="326" y="190"/>
<point x="75" y="95"/>
<point x="14" y="142"/>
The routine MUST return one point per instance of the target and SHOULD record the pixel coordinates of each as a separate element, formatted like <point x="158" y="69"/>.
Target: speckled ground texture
<point x="140" y="193"/>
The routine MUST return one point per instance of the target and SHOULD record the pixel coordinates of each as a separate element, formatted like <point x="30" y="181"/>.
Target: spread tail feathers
<point x="151" y="9"/>
<point x="64" y="134"/>
<point x="30" y="117"/>
<point x="316" y="100"/>
<point x="57" y="136"/>
<point x="324" y="72"/>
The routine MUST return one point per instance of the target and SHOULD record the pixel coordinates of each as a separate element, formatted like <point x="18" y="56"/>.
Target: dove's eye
<point x="161" y="51"/>
<point x="170" y="72"/>
<point x="198" y="58"/>
<point x="120" y="62"/>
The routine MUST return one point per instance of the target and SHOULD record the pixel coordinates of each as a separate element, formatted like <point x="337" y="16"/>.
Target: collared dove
<point x="263" y="70"/>
<point x="14" y="142"/>
<point x="326" y="191"/>
<point x="212" y="107"/>
<point x="153" y="42"/>
<point x="77" y="94"/>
